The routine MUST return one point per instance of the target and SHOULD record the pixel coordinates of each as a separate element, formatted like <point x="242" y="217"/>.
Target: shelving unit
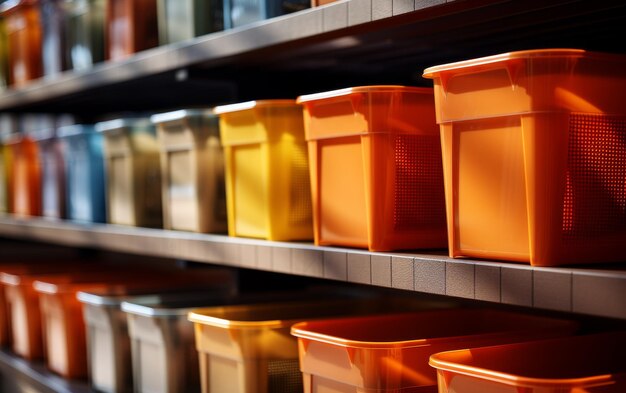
<point x="347" y="43"/>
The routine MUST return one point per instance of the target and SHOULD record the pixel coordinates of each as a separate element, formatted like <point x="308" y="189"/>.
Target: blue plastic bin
<point x="84" y="168"/>
<point x="242" y="12"/>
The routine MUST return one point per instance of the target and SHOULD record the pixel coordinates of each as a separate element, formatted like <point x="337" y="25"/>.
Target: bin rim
<point x="196" y="316"/>
<point x="75" y="129"/>
<point x="299" y="329"/>
<point x="166" y="117"/>
<point x="13" y="5"/>
<point x="434" y="71"/>
<point x="261" y="104"/>
<point x="439" y="362"/>
<point x="122" y="123"/>
<point x="114" y="300"/>
<point x="363" y="89"/>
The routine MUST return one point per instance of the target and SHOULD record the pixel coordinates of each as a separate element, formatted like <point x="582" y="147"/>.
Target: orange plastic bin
<point x="585" y="364"/>
<point x="535" y="156"/>
<point x="26" y="176"/>
<point x="390" y="353"/>
<point x="375" y="163"/>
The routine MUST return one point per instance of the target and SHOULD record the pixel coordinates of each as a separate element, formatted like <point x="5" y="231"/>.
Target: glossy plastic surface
<point x="192" y="169"/>
<point x="4" y="56"/>
<point x="85" y="32"/>
<point x="590" y="364"/>
<point x="131" y="27"/>
<point x="390" y="353"/>
<point x="23" y="26"/>
<point x="53" y="179"/>
<point x="84" y="169"/>
<point x="6" y="179"/>
<point x="248" y="348"/>
<point x="26" y="177"/>
<point x="133" y="172"/>
<point x="375" y="162"/>
<point x="534" y="155"/>
<point x="181" y="20"/>
<point x="267" y="172"/>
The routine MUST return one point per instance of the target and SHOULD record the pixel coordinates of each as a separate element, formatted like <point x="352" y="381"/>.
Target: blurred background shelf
<point x="596" y="290"/>
<point x="345" y="43"/>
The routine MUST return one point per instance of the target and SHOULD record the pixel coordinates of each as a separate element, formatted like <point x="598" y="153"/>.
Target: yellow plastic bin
<point x="248" y="348"/>
<point x="267" y="172"/>
<point x="192" y="168"/>
<point x="108" y="341"/>
<point x="389" y="354"/>
<point x="534" y="156"/>
<point x="584" y="364"/>
<point x="8" y="126"/>
<point x="375" y="162"/>
<point x="133" y="172"/>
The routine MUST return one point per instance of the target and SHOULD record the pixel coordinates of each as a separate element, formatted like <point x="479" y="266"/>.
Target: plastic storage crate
<point x="84" y="169"/>
<point x="534" y="156"/>
<point x="163" y="355"/>
<point x="390" y="353"/>
<point x="192" y="166"/>
<point x="54" y="52"/>
<point x="108" y="341"/>
<point x="181" y="20"/>
<point x="4" y="56"/>
<point x="53" y="179"/>
<point x="376" y="173"/>
<point x="133" y="172"/>
<point x="267" y="173"/>
<point x="590" y="364"/>
<point x="23" y="26"/>
<point x="85" y="32"/>
<point x="131" y="27"/>
<point x="26" y="176"/>
<point x="242" y="12"/>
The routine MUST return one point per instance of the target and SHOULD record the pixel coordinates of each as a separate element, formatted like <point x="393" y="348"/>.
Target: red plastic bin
<point x="390" y="353"/>
<point x="376" y="172"/>
<point x="585" y="364"/>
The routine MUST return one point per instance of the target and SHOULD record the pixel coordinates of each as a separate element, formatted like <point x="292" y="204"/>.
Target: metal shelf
<point x="343" y="43"/>
<point x="19" y="375"/>
<point x="591" y="290"/>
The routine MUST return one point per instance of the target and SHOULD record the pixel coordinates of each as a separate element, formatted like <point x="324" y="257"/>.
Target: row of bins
<point x="526" y="164"/>
<point x="182" y="331"/>
<point x="46" y="37"/>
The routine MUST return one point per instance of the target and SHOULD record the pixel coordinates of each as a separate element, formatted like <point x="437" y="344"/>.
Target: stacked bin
<point x="133" y="172"/>
<point x="84" y="169"/>
<point x="390" y="353"/>
<point x="108" y="341"/>
<point x="375" y="162"/>
<point x="53" y="180"/>
<point x="23" y="26"/>
<point x="192" y="169"/>
<point x="131" y="26"/>
<point x="267" y="180"/>
<point x="534" y="156"/>
<point x="181" y="20"/>
<point x="248" y="349"/>
<point x="85" y="32"/>
<point x="62" y="314"/>
<point x="4" y="56"/>
<point x="590" y="364"/>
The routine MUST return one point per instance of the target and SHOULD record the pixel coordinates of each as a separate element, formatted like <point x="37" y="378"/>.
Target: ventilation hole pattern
<point x="419" y="193"/>
<point x="284" y="376"/>
<point x="300" y="192"/>
<point x="595" y="194"/>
